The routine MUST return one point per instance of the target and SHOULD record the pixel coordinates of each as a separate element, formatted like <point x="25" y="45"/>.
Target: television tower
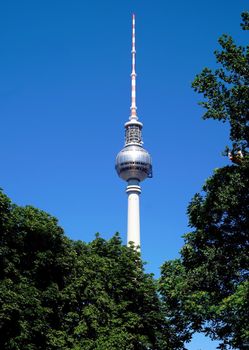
<point x="133" y="162"/>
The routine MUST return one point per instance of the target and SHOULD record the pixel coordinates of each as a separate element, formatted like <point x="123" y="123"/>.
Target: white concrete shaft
<point x="133" y="220"/>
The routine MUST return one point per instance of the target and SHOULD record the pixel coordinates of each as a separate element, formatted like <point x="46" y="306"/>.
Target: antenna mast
<point x="133" y="73"/>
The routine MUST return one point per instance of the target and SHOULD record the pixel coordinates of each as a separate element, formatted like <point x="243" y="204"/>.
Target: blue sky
<point x="65" y="95"/>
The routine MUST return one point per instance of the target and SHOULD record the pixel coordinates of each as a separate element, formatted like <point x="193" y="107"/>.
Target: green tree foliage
<point x="60" y="294"/>
<point x="226" y="90"/>
<point x="207" y="288"/>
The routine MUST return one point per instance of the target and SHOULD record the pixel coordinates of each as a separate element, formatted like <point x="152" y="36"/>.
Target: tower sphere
<point x="133" y="162"/>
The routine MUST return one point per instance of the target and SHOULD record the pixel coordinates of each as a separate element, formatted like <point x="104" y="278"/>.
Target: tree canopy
<point x="207" y="288"/>
<point x="56" y="293"/>
<point x="226" y="89"/>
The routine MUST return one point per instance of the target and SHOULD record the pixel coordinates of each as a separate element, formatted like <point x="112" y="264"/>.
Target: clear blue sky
<point x="65" y="95"/>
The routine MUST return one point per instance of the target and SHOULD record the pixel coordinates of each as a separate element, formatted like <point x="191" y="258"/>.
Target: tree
<point x="35" y="266"/>
<point x="61" y="294"/>
<point x="226" y="90"/>
<point x="207" y="288"/>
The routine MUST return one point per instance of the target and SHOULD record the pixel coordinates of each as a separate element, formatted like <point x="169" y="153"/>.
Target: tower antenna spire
<point x="133" y="72"/>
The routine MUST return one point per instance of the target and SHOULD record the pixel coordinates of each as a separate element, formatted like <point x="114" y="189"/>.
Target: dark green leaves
<point x="206" y="290"/>
<point x="226" y="89"/>
<point x="245" y="20"/>
<point x="59" y="294"/>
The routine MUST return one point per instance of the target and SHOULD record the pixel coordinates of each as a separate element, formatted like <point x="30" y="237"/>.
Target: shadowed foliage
<point x="207" y="288"/>
<point x="60" y="294"/>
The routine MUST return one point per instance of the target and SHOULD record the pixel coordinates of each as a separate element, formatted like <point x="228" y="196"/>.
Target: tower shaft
<point x="133" y="218"/>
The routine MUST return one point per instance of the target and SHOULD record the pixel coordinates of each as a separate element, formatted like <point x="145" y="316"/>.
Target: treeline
<point x="56" y="293"/>
<point x="59" y="294"/>
<point x="207" y="289"/>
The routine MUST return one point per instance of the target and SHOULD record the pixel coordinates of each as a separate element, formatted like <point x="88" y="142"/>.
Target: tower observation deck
<point x="133" y="162"/>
